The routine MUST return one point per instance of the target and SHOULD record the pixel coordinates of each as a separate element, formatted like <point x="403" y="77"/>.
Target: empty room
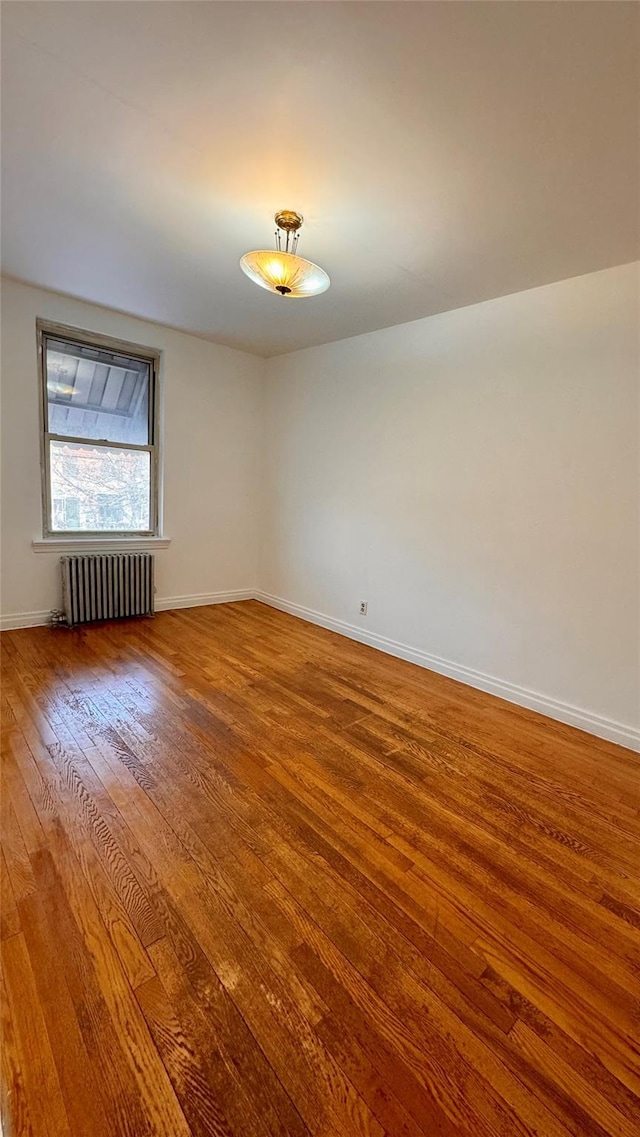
<point x="320" y="593"/>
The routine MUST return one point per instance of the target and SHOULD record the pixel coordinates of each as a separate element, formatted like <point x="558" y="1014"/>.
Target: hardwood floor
<point x="260" y="880"/>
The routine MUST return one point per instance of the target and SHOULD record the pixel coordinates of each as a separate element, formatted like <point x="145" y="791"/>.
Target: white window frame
<point x="46" y="329"/>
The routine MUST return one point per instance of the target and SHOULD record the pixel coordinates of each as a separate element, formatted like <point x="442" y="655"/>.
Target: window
<point x="100" y="459"/>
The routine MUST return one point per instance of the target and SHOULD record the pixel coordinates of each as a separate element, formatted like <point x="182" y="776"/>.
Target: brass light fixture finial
<point x="288" y="219"/>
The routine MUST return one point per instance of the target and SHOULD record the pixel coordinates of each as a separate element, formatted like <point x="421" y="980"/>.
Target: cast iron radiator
<point x="107" y="587"/>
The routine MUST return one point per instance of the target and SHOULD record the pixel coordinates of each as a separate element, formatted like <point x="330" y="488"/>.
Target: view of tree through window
<point x="99" y="439"/>
<point x="96" y="488"/>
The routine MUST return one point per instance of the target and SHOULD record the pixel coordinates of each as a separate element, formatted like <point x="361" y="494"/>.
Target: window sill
<point x="99" y="544"/>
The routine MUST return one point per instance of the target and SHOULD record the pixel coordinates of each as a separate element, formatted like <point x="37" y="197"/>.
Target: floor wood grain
<point x="261" y="881"/>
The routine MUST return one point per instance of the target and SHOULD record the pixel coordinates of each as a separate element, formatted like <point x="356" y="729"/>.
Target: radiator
<point x="107" y="587"/>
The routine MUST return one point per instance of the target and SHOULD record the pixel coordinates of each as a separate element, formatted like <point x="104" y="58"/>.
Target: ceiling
<point x="441" y="153"/>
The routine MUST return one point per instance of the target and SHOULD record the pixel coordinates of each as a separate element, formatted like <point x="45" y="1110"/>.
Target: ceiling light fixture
<point x="280" y="270"/>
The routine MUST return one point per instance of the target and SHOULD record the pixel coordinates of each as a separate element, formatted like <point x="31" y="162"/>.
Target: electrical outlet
<point x="363" y="607"/>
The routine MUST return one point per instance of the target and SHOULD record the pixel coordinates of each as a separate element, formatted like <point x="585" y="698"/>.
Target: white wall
<point x="474" y="477"/>
<point x="212" y="398"/>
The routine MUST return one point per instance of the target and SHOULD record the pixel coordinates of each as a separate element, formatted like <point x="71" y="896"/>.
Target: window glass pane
<point x="99" y="488"/>
<point x="92" y="393"/>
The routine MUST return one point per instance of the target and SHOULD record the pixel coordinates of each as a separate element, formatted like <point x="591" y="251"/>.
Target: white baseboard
<point x="564" y="712"/>
<point x="163" y="604"/>
<point x="198" y="600"/>
<point x="24" y="620"/>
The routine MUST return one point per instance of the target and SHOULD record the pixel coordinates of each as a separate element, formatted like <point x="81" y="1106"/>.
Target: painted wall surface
<point x="474" y="477"/>
<point x="212" y="411"/>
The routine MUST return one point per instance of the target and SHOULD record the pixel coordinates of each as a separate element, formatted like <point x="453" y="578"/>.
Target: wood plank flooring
<point x="261" y="881"/>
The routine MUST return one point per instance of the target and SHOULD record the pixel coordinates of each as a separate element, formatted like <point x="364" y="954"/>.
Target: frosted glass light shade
<point x="284" y="273"/>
